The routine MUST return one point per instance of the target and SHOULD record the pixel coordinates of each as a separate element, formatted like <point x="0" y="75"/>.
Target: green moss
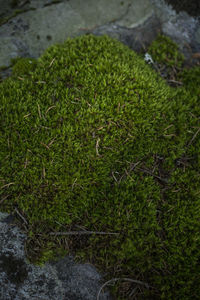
<point x="164" y="50"/>
<point x="22" y="66"/>
<point x="93" y="139"/>
<point x="191" y="79"/>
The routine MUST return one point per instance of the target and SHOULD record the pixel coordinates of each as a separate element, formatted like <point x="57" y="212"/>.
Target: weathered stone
<point x="38" y="29"/>
<point x="42" y="23"/>
<point x="61" y="280"/>
<point x="180" y="27"/>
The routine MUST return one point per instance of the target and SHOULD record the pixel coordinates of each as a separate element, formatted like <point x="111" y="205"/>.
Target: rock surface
<point x="31" y="32"/>
<point x="32" y="26"/>
<point x="180" y="27"/>
<point x="63" y="280"/>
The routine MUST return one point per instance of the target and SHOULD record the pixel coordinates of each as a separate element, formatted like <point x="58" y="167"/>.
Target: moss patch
<point x="94" y="140"/>
<point x="164" y="50"/>
<point x="23" y="65"/>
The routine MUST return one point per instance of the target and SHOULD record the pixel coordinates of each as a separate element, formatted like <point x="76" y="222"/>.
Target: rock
<point x="32" y="26"/>
<point x="61" y="280"/>
<point x="46" y="25"/>
<point x="29" y="27"/>
<point x="192" y="7"/>
<point x="180" y="27"/>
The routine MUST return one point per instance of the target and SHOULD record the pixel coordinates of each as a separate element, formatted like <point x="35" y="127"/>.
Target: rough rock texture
<point x="32" y="26"/>
<point x="180" y="27"/>
<point x="191" y="6"/>
<point x="63" y="280"/>
<point x="31" y="32"/>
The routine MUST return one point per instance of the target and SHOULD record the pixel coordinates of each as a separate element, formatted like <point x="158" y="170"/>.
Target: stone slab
<point x="31" y="32"/>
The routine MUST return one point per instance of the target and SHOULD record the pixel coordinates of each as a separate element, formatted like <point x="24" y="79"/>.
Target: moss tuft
<point x="94" y="140"/>
<point x="23" y="65"/>
<point x="164" y="50"/>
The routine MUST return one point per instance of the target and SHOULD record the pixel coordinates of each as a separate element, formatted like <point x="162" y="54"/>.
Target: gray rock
<point x="42" y="25"/>
<point x="63" y="280"/>
<point x="135" y="23"/>
<point x="180" y="27"/>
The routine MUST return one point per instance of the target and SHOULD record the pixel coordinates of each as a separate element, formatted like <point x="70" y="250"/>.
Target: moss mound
<point x="94" y="140"/>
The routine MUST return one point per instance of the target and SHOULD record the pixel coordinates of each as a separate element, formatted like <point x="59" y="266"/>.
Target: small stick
<point x="81" y="232"/>
<point x="97" y="146"/>
<point x="150" y="173"/>
<point x="125" y="279"/>
<point x="174" y="81"/>
<point x="194" y="136"/>
<point x="39" y="111"/>
<point x="1" y="201"/>
<point x="21" y="216"/>
<point x="52" y="62"/>
<point x="8" y="184"/>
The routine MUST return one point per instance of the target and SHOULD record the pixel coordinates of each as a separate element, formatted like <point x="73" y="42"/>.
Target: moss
<point x="190" y="77"/>
<point x="22" y="66"/>
<point x="165" y="51"/>
<point x="93" y="139"/>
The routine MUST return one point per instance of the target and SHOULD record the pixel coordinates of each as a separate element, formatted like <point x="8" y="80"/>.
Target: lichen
<point x="94" y="140"/>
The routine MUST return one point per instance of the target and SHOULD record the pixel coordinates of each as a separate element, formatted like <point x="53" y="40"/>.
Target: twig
<point x="21" y="216"/>
<point x="174" y="81"/>
<point x="125" y="279"/>
<point x="150" y="173"/>
<point x="8" y="184"/>
<point x="39" y="112"/>
<point x="1" y="201"/>
<point x="82" y="232"/>
<point x="127" y="172"/>
<point x="194" y="136"/>
<point x="52" y="62"/>
<point x="97" y="146"/>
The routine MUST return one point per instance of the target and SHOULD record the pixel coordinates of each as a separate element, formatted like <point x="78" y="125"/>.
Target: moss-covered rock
<point x="95" y="140"/>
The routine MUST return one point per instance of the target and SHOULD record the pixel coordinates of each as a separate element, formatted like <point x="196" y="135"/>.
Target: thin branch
<point x="97" y="146"/>
<point x="174" y="81"/>
<point x="1" y="201"/>
<point x="150" y="173"/>
<point x="194" y="136"/>
<point x="81" y="233"/>
<point x="8" y="184"/>
<point x="124" y="279"/>
<point x="21" y="216"/>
